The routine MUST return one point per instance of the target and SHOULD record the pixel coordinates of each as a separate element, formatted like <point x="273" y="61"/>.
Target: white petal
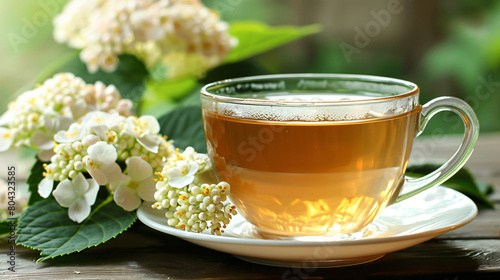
<point x="149" y="142"/>
<point x="132" y="125"/>
<point x="91" y="194"/>
<point x="6" y="118"/>
<point x="90" y="140"/>
<point x="189" y="153"/>
<point x="113" y="172"/>
<point x="193" y="167"/>
<point x="6" y="139"/>
<point x="45" y="155"/>
<point x="127" y="198"/>
<point x="75" y="132"/>
<point x="102" y="152"/>
<point x="100" y="130"/>
<point x="182" y="165"/>
<point x="45" y="187"/>
<point x="62" y="138"/>
<point x="138" y="169"/>
<point x="174" y="172"/>
<point x="65" y="194"/>
<point x="150" y="123"/>
<point x="98" y="176"/>
<point x="79" y="108"/>
<point x="79" y="211"/>
<point x="55" y="122"/>
<point x="181" y="182"/>
<point x="80" y="184"/>
<point x="115" y="183"/>
<point x="115" y="121"/>
<point x="42" y="140"/>
<point x="147" y="189"/>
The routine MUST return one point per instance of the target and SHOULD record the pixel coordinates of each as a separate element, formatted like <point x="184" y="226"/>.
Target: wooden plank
<point x="485" y="226"/>
<point x="172" y="258"/>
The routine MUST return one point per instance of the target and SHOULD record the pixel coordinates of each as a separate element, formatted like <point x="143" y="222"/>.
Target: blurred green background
<point x="446" y="47"/>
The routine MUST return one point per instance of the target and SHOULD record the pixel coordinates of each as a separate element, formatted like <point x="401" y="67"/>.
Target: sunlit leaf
<point x="256" y="37"/>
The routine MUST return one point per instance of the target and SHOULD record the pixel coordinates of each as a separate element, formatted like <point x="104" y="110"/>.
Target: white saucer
<point x="418" y="219"/>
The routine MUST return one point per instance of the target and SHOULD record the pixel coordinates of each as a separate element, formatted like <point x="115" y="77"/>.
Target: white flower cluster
<point x="156" y="31"/>
<point x="97" y="146"/>
<point x="192" y="203"/>
<point x="37" y="115"/>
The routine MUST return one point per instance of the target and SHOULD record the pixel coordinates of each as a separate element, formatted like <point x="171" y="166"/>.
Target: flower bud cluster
<point x="188" y="190"/>
<point x="37" y="115"/>
<point x="67" y="161"/>
<point x="127" y="146"/>
<point x="195" y="208"/>
<point x="156" y="31"/>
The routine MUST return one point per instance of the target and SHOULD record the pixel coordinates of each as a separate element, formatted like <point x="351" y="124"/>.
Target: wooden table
<point x="471" y="252"/>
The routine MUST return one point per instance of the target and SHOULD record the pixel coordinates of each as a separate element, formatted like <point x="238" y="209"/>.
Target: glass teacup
<point x="321" y="154"/>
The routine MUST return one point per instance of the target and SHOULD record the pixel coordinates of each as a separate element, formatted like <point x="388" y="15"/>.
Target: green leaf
<point x="256" y="37"/>
<point x="184" y="125"/>
<point x="234" y="70"/>
<point x="5" y="227"/>
<point x="129" y="77"/>
<point x="34" y="179"/>
<point x="174" y="89"/>
<point x="45" y="226"/>
<point x="462" y="181"/>
<point x="163" y="96"/>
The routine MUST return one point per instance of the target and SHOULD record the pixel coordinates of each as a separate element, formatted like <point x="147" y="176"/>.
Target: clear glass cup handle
<point x="413" y="186"/>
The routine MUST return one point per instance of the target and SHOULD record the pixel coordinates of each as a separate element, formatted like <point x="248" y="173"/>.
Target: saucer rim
<point x="142" y="214"/>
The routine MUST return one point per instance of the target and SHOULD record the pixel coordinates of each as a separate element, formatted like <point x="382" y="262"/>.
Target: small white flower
<point x="6" y="139"/>
<point x="75" y="132"/>
<point x="202" y="160"/>
<point x="78" y="195"/>
<point x="145" y="129"/>
<point x="108" y="62"/>
<point x="100" y="163"/>
<point x="140" y="185"/>
<point x="45" y="187"/>
<point x="182" y="174"/>
<point x="101" y="122"/>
